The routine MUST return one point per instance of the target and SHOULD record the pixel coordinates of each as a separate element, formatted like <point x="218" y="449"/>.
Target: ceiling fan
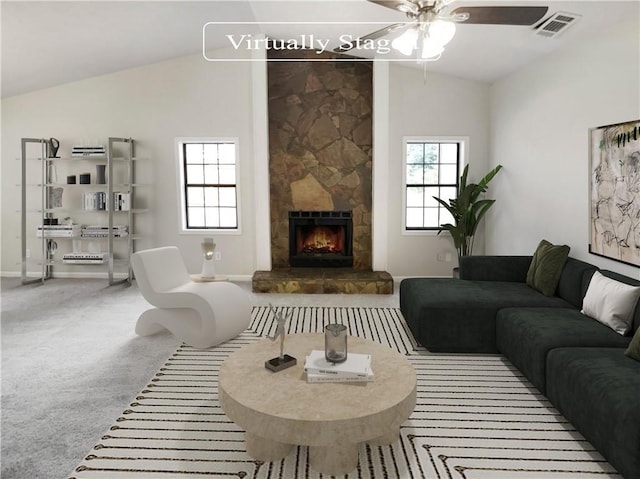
<point x="431" y="25"/>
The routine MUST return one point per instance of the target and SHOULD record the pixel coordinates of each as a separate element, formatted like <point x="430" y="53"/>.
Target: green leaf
<point x="467" y="210"/>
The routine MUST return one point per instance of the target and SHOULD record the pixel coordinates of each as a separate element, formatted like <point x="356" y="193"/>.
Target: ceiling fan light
<point x="431" y="51"/>
<point x="406" y="42"/>
<point x="441" y="32"/>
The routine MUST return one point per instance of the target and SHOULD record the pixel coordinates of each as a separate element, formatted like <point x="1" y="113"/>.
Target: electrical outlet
<point x="445" y="257"/>
<point x="217" y="256"/>
<point x="28" y="253"/>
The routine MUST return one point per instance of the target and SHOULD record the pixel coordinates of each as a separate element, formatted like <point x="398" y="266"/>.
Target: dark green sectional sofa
<point x="576" y="361"/>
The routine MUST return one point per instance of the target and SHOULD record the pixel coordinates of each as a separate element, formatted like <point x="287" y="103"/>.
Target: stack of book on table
<point x="356" y="368"/>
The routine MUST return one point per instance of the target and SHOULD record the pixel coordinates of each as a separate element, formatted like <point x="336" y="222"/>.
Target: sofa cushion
<point x="451" y="315"/>
<point x="633" y="350"/>
<point x="546" y="267"/>
<point x="597" y="390"/>
<point x="611" y="302"/>
<point x="574" y="281"/>
<point x="495" y="268"/>
<point x="526" y="335"/>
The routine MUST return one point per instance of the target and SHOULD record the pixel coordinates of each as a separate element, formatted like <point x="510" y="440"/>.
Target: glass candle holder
<point x="335" y="343"/>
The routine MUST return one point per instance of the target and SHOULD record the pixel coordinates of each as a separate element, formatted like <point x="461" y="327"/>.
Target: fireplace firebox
<point x="321" y="239"/>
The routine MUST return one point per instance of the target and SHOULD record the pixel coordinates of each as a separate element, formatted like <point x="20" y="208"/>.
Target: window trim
<point x="463" y="158"/>
<point x="180" y="183"/>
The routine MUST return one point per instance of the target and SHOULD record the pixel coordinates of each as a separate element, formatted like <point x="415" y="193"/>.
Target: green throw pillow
<point x="546" y="267"/>
<point x="633" y="351"/>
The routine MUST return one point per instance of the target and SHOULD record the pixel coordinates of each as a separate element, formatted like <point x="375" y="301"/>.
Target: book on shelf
<point x="94" y="201"/>
<point x="84" y="258"/>
<point x="98" y="201"/>
<point x="357" y="367"/>
<point x="121" y="201"/>
<point x="99" y="231"/>
<point x="58" y="231"/>
<point x="79" y="150"/>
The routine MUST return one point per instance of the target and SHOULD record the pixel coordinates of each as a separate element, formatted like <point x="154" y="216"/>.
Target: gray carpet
<point x="71" y="362"/>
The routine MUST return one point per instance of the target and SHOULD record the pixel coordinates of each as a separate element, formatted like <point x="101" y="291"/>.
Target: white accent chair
<point x="200" y="314"/>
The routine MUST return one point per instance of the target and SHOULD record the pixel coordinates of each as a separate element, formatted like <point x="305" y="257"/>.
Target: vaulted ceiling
<point x="51" y="43"/>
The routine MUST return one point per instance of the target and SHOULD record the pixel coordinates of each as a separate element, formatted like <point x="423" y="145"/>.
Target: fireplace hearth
<point x="322" y="239"/>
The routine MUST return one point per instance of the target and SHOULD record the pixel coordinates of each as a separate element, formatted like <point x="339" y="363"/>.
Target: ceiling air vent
<point x="556" y="24"/>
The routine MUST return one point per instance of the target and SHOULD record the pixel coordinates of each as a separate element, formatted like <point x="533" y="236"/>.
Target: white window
<point x="208" y="184"/>
<point x="431" y="169"/>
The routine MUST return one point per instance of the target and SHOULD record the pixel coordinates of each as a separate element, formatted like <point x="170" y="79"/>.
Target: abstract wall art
<point x="615" y="192"/>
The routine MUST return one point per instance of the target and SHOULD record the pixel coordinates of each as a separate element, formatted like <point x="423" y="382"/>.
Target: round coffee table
<point x="279" y="410"/>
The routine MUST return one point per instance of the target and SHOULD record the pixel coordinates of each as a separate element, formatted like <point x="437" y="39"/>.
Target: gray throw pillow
<point x="546" y="267"/>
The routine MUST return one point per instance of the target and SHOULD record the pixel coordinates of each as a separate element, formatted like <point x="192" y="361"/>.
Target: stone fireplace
<point x="320" y="176"/>
<point x="320" y="140"/>
<point x="322" y="239"/>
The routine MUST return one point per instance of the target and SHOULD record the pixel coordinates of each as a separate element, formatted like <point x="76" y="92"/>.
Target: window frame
<point x="182" y="186"/>
<point x="463" y="151"/>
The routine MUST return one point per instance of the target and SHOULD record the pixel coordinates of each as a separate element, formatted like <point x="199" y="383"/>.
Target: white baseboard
<point x="9" y="274"/>
<point x="239" y="277"/>
<point x="99" y="275"/>
<point x="65" y="275"/>
<point x="397" y="279"/>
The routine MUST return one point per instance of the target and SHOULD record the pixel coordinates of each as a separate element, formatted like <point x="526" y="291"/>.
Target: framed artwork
<point x="614" y="192"/>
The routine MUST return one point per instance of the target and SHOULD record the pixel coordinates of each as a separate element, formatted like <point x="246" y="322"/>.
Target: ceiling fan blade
<point x="502" y="15"/>
<point x="345" y="47"/>
<point x="400" y="5"/>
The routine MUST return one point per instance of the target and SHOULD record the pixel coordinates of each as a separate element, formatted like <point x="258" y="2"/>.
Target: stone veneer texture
<point x="320" y="156"/>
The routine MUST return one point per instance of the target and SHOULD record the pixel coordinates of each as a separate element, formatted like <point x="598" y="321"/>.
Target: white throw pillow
<point x="611" y="302"/>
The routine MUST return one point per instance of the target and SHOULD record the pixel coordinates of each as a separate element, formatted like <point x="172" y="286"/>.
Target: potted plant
<point x="467" y="209"/>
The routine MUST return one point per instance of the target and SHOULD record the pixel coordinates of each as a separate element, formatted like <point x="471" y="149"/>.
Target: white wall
<point x="154" y="104"/>
<point x="438" y="106"/>
<point x="540" y="120"/>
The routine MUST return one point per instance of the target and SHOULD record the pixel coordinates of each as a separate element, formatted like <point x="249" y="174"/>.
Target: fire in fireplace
<point x="320" y="239"/>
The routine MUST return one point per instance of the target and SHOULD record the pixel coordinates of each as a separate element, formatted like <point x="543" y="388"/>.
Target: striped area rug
<point x="476" y="418"/>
